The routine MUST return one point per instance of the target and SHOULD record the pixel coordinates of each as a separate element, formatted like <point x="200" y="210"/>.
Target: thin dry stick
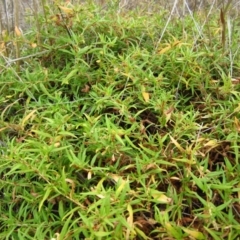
<point x="166" y="25"/>
<point x="4" y="49"/>
<point x="230" y="44"/>
<point x="45" y="14"/>
<point x="7" y="15"/>
<point x="43" y="9"/>
<point x="35" y="13"/>
<point x="64" y="22"/>
<point x="16" y="7"/>
<point x="9" y="62"/>
<point x="223" y="13"/>
<point x="198" y="27"/>
<point x="223" y="23"/>
<point x="1" y="26"/>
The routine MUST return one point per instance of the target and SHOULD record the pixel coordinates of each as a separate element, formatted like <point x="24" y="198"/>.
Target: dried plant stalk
<point x="16" y="7"/>
<point x="223" y="14"/>
<point x="35" y="14"/>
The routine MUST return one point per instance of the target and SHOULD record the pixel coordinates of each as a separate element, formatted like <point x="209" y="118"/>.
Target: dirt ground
<point x="15" y="13"/>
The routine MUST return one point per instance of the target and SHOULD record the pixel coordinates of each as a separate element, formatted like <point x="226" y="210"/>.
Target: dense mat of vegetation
<point x="123" y="127"/>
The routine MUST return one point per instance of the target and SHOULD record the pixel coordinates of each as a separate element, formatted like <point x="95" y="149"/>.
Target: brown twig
<point x="223" y="13"/>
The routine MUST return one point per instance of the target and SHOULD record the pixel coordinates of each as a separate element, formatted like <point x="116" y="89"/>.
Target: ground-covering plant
<point x="116" y="125"/>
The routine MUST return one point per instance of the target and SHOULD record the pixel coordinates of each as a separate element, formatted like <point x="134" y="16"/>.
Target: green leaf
<point x="102" y="234"/>
<point x="195" y="234"/>
<point x="69" y="76"/>
<point x="45" y="197"/>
